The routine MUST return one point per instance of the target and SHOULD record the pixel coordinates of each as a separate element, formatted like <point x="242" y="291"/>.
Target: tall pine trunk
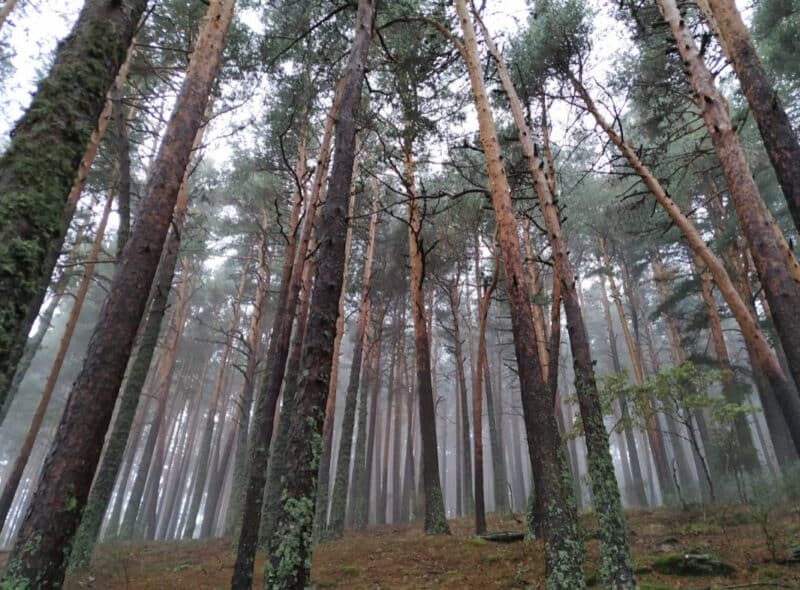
<point x="564" y="552"/>
<point x="290" y="547"/>
<point x="39" y="556"/>
<point x="52" y="136"/>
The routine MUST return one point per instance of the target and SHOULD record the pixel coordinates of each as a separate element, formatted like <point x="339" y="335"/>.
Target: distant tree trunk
<point x="406" y="509"/>
<point x="40" y="555"/>
<point x="435" y="515"/>
<point x="563" y="551"/>
<point x="640" y="495"/>
<point x="779" y="138"/>
<point x="290" y="548"/>
<point x="360" y="487"/>
<point x="402" y="392"/>
<point x="372" y="464"/>
<point x="484" y="300"/>
<point x="14" y="476"/>
<point x="323" y="479"/>
<point x="653" y="433"/>
<point x="244" y="405"/>
<point x="210" y="431"/>
<point x="160" y="381"/>
<point x="464" y="470"/>
<point x="52" y="136"/>
<point x="678" y="354"/>
<point x="383" y="491"/>
<point x="341" y="483"/>
<point x="751" y="331"/>
<point x="777" y="268"/>
<point x="103" y="486"/>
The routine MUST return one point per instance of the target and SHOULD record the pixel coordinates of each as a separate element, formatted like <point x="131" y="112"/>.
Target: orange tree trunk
<point x="39" y="556"/>
<point x="776" y="266"/>
<point x="290" y="547"/>
<point x="616" y="568"/>
<point x="779" y="138"/>
<point x="563" y="548"/>
<point x="53" y="136"/>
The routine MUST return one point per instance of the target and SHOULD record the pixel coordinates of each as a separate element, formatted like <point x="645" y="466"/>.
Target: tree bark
<point x="751" y="331"/>
<point x="14" y="476"/>
<point x="39" y="557"/>
<point x="290" y="547"/>
<point x="779" y="138"/>
<point x="616" y="564"/>
<point x="103" y="486"/>
<point x="563" y="548"/>
<point x="435" y="515"/>
<point x="52" y="135"/>
<point x="777" y="269"/>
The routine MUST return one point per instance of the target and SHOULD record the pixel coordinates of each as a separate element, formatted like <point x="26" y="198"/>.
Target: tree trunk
<point x="640" y="496"/>
<point x="391" y="387"/>
<point x="103" y="486"/>
<point x="323" y="479"/>
<point x="616" y="568"/>
<point x="290" y="548"/>
<point x="779" y="138"/>
<point x="277" y="354"/>
<point x="563" y="549"/>
<point x="8" y="6"/>
<point x="777" y="269"/>
<point x="39" y="557"/>
<point x="484" y="300"/>
<point x="464" y="470"/>
<point x="14" y="476"/>
<point x="435" y="515"/>
<point x="210" y="431"/>
<point x="360" y="488"/>
<point x="244" y="405"/>
<point x="52" y="135"/>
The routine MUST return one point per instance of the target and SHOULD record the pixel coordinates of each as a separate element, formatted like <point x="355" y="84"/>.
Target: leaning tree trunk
<point x="435" y="515"/>
<point x="103" y="486"/>
<point x="52" y="136"/>
<point x="751" y="331"/>
<point x="616" y="565"/>
<point x="15" y="475"/>
<point x="564" y="552"/>
<point x="40" y="554"/>
<point x="779" y="138"/>
<point x="776" y="266"/>
<point x="290" y="547"/>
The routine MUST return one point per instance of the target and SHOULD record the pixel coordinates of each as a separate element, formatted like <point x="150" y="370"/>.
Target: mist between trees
<point x="275" y="271"/>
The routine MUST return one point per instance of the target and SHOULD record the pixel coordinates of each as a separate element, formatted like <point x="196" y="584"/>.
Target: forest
<point x="399" y="294"/>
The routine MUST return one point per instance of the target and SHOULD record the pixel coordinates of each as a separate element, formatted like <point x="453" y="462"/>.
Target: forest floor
<point x="758" y="546"/>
